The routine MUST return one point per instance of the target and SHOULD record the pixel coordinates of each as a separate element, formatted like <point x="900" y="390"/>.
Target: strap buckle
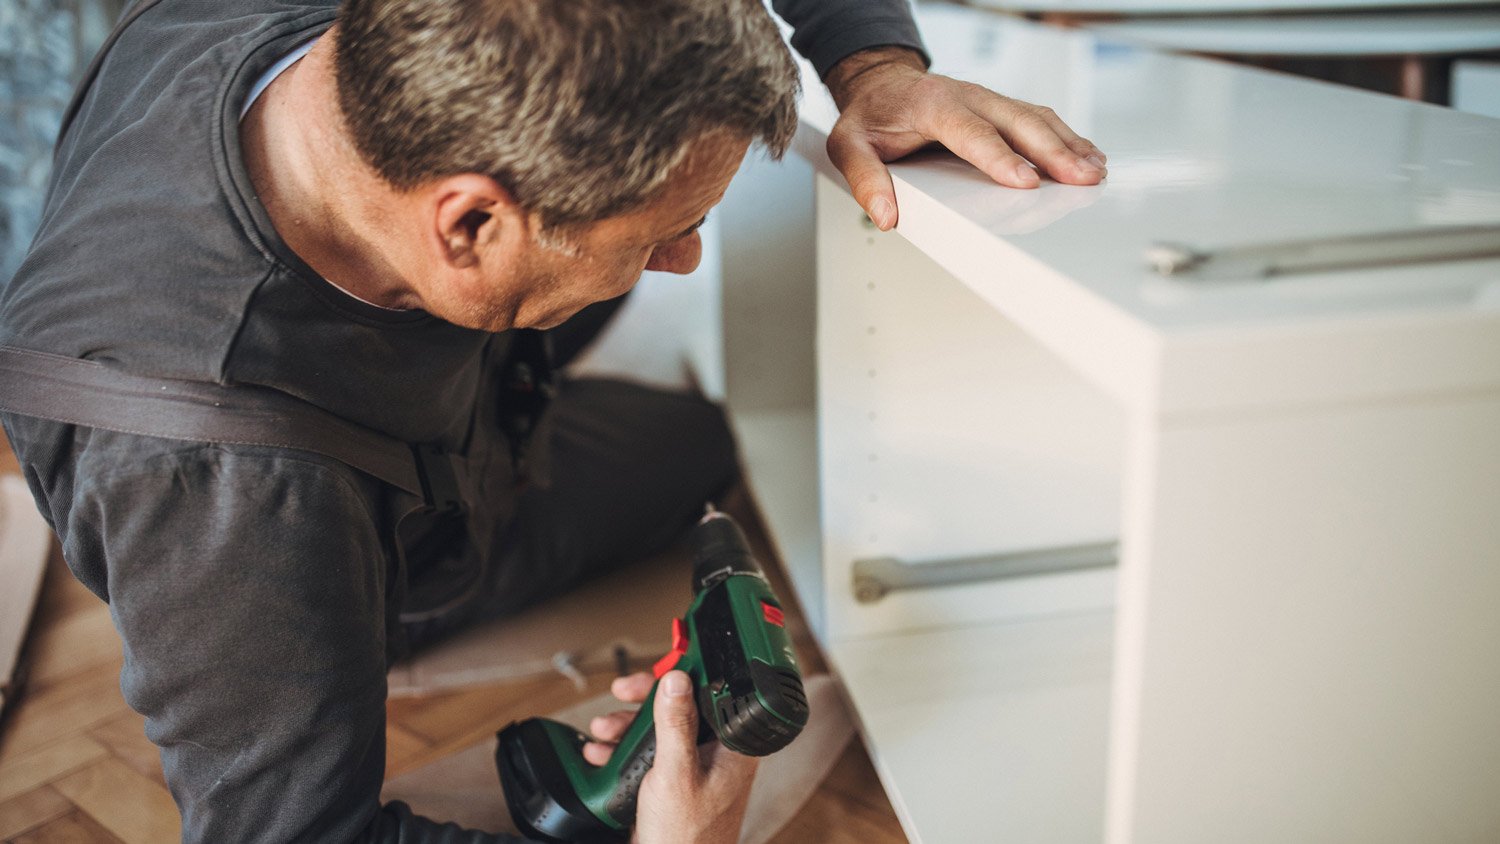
<point x="439" y="472"/>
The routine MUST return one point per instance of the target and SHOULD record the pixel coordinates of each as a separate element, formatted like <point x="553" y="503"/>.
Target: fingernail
<point x="1096" y="160"/>
<point x="1026" y="175"/>
<point x="676" y="684"/>
<point x="883" y="213"/>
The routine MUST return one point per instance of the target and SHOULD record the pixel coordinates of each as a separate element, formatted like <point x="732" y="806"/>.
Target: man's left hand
<point x="890" y="106"/>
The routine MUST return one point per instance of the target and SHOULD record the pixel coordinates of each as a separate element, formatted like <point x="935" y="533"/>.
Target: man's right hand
<point x="690" y="796"/>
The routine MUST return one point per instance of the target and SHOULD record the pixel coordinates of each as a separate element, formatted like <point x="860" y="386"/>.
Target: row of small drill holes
<point x="874" y="457"/>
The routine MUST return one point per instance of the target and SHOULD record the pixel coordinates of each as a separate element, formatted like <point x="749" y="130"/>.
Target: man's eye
<point x="688" y="232"/>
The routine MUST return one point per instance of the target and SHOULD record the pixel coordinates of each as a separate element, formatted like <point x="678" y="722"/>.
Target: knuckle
<point x="978" y="132"/>
<point x="933" y="88"/>
<point x="975" y="89"/>
<point x="963" y="126"/>
<point x="1032" y="122"/>
<point x="1053" y="147"/>
<point x="1045" y="112"/>
<point x="680" y="719"/>
<point x="843" y="144"/>
<point x="1012" y="107"/>
<point x="930" y="84"/>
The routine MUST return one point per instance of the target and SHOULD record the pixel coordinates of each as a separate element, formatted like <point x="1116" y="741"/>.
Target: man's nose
<point x="679" y="256"/>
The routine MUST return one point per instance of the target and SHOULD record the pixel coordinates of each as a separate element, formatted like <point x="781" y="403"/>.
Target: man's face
<point x="553" y="279"/>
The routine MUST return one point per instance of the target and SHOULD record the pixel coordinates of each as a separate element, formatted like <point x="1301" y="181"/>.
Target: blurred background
<point x="44" y="47"/>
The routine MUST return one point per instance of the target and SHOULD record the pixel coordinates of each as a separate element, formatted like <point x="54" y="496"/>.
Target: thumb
<point x="676" y="722"/>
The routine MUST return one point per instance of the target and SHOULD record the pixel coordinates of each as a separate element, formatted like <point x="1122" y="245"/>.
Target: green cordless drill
<point x="732" y="642"/>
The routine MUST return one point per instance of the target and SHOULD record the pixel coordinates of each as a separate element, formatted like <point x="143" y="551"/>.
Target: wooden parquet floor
<point x="75" y="765"/>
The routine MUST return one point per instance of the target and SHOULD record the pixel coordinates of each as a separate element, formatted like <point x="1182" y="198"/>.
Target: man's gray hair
<point x="580" y="108"/>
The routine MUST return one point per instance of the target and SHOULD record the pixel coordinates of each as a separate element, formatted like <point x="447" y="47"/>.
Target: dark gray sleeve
<point x="249" y="587"/>
<point x="827" y="31"/>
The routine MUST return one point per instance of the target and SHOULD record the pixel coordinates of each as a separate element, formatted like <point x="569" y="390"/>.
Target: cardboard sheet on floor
<point x="630" y="608"/>
<point x="465" y="788"/>
<point x="24" y="541"/>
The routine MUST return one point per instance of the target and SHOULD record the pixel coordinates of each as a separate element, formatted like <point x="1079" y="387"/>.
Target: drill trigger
<point x="679" y="648"/>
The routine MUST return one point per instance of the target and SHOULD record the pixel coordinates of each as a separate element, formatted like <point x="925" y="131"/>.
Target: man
<point x="390" y="213"/>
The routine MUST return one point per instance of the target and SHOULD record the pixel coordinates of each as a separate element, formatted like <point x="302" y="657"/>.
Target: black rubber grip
<point x="622" y="800"/>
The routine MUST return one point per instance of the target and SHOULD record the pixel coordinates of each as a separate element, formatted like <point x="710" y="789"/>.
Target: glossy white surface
<point x="1206" y="7"/>
<point x="1353" y="34"/>
<point x="1206" y="154"/>
<point x="1202" y="152"/>
<point x="993" y="733"/>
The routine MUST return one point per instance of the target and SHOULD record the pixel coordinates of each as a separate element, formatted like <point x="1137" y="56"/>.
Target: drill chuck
<point x="719" y="549"/>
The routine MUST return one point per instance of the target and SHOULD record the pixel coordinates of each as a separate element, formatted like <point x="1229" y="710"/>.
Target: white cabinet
<point x="1300" y="476"/>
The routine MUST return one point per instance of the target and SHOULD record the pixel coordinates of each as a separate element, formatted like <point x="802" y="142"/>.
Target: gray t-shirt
<point x="257" y="590"/>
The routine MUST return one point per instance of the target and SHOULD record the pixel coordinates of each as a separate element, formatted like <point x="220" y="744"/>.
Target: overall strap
<point x="90" y="394"/>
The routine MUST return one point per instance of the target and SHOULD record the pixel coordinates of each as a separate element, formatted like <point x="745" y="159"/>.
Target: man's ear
<point x="471" y="214"/>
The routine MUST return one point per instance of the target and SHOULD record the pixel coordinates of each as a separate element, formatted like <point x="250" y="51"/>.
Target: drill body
<point x="731" y="642"/>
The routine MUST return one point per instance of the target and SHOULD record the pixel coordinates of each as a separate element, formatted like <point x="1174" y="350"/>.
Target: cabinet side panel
<point x="945" y="431"/>
<point x="1318" y="660"/>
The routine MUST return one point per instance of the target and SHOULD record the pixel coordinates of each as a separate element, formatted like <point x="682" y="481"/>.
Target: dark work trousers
<point x="630" y="470"/>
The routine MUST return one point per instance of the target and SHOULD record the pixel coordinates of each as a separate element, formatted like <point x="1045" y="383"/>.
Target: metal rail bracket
<point x="874" y="578"/>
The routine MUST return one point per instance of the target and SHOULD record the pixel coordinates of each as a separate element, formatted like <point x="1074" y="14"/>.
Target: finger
<point x="868" y="178"/>
<point x="632" y="688"/>
<point x="975" y="139"/>
<point x="1079" y="144"/>
<point x="612" y="726"/>
<point x="676" y="721"/>
<point x="1034" y="135"/>
<point x="597" y="753"/>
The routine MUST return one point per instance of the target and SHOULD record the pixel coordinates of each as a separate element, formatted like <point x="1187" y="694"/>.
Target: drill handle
<point x="634" y="756"/>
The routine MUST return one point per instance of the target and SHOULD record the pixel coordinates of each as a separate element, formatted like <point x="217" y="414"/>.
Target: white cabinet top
<point x="1201" y="153"/>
